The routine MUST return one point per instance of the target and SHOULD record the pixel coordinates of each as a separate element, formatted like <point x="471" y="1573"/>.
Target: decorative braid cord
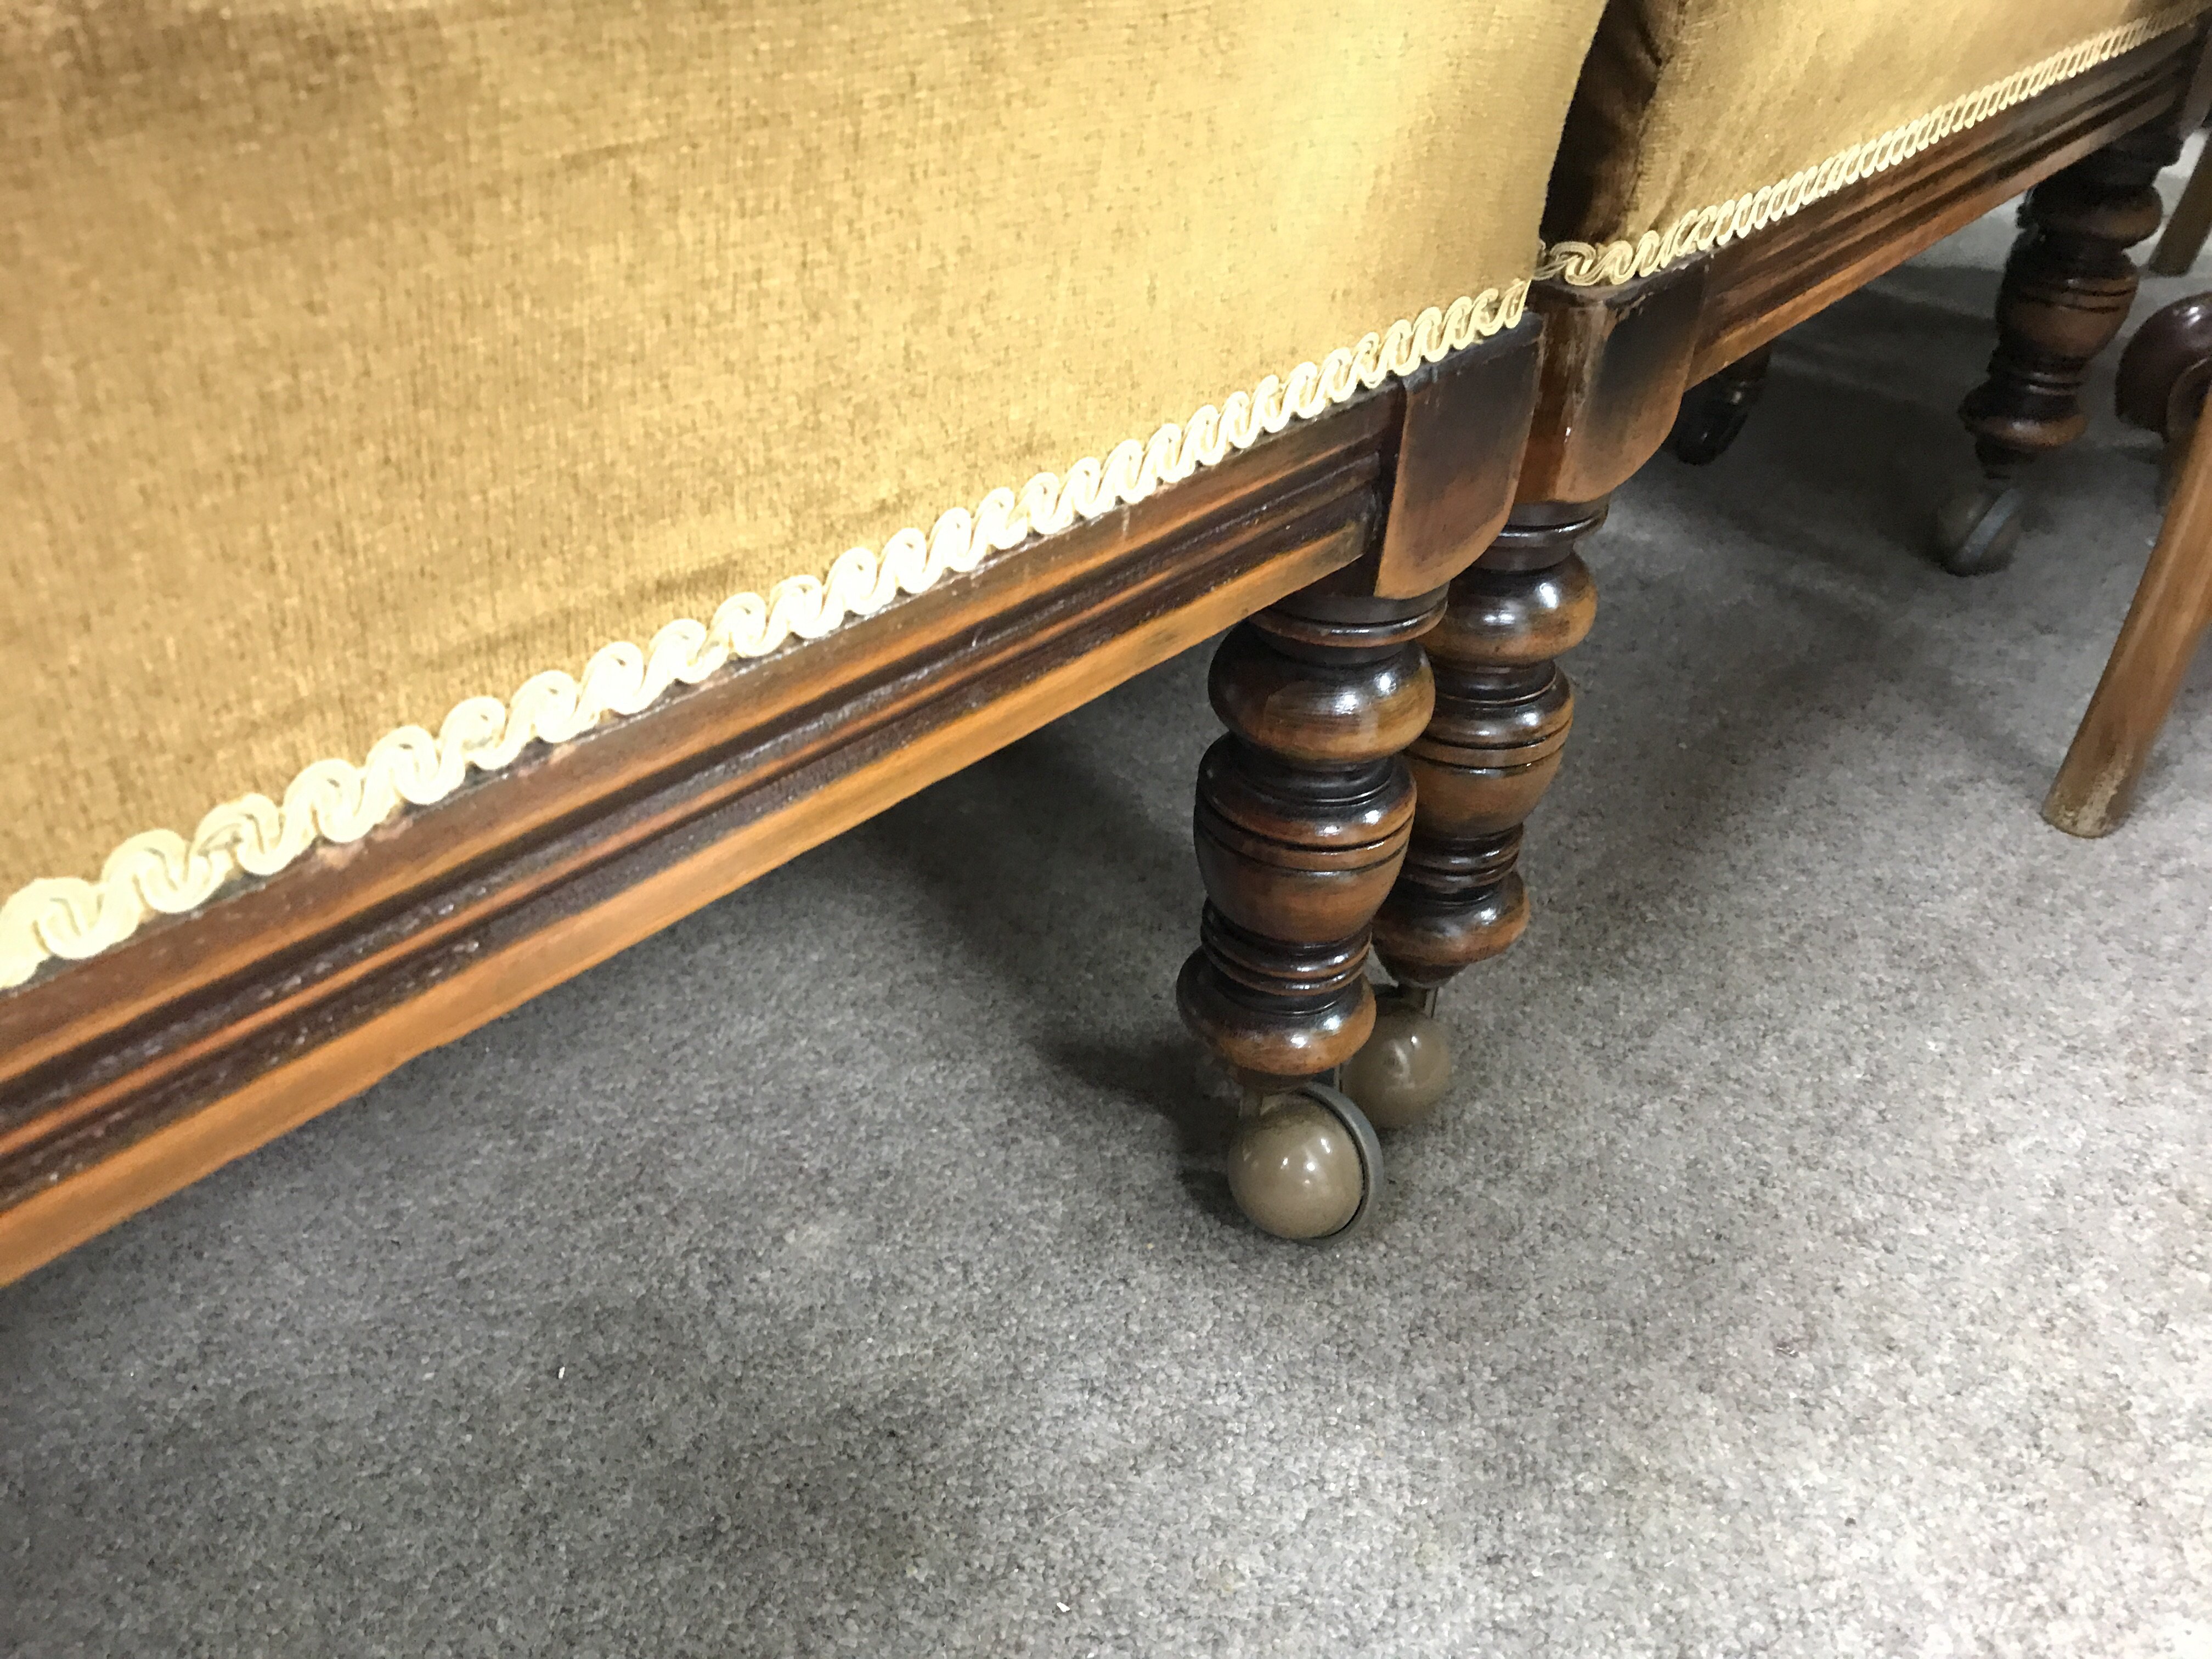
<point x="162" y="872"/>
<point x="1589" y="264"/>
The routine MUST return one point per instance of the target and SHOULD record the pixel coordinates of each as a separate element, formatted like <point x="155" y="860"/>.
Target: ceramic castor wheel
<point x="1715" y="411"/>
<point x="1403" y="1070"/>
<point x="1305" y="1165"/>
<point x="1978" y="529"/>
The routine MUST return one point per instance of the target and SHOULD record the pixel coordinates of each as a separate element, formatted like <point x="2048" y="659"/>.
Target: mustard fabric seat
<point x="1700" y="121"/>
<point x="369" y="368"/>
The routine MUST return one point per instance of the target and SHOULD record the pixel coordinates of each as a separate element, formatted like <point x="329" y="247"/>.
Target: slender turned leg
<point x="1502" y="714"/>
<point x="1715" y="411"/>
<point x="1304" y="813"/>
<point x="2066" y="290"/>
<point x="2173" y="608"/>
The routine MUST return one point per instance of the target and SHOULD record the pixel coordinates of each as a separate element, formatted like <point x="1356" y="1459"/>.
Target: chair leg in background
<point x="2172" y="606"/>
<point x="2192" y="218"/>
<point x="2065" y="293"/>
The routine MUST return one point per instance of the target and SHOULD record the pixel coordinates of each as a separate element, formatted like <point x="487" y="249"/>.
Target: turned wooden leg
<point x="1715" y="411"/>
<point x="1502" y="709"/>
<point x="2172" y="607"/>
<point x="1304" y="811"/>
<point x="2066" y="290"/>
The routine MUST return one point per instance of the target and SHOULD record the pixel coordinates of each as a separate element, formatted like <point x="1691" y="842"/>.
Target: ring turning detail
<point x="1304" y="811"/>
<point x="2067" y="287"/>
<point x="1502" y="712"/>
<point x="1381" y="756"/>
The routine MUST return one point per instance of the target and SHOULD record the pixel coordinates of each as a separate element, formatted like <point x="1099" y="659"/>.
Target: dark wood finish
<point x="777" y="713"/>
<point x="1618" y="361"/>
<point x="1305" y="808"/>
<point x="1459" y="452"/>
<point x="1502" y="712"/>
<point x="1615" y="362"/>
<point x="1715" y="411"/>
<point x="2164" y="388"/>
<point x="1770" y="282"/>
<point x="2067" y="288"/>
<point x="1303" y="812"/>
<point x="127" y="1076"/>
<point x="2194" y="107"/>
<point x="2166" y="369"/>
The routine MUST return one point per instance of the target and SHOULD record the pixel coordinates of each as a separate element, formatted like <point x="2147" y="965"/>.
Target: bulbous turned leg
<point x="1503" y="710"/>
<point x="1304" y="810"/>
<point x="2066" y="290"/>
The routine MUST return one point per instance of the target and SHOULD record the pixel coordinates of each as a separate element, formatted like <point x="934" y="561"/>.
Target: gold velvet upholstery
<point x="1687" y="106"/>
<point x="363" y="357"/>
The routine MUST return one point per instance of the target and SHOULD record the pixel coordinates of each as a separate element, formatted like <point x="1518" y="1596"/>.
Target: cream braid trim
<point x="1589" y="265"/>
<point x="162" y="872"/>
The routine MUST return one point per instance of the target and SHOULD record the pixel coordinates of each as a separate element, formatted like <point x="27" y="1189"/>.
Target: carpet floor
<point x="1816" y="1257"/>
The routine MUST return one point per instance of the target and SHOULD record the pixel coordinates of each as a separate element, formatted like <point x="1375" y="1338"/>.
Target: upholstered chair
<point x="480" y="482"/>
<point x="1701" y="122"/>
<point x="1728" y="168"/>
<point x="483" y="486"/>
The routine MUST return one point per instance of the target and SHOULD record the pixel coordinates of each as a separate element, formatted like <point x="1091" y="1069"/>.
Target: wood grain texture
<point x="1302" y="814"/>
<point x="1503" y="710"/>
<point x="2172" y="609"/>
<point x="1616" y="363"/>
<point x="2067" y="287"/>
<point x="126" y="1077"/>
<point x="1452" y="483"/>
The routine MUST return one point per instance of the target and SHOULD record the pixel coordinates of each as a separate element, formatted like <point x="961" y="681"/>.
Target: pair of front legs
<point x="1368" y="799"/>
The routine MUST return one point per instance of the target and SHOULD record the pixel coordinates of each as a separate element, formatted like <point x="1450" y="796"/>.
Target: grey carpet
<point x="1814" y="1261"/>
